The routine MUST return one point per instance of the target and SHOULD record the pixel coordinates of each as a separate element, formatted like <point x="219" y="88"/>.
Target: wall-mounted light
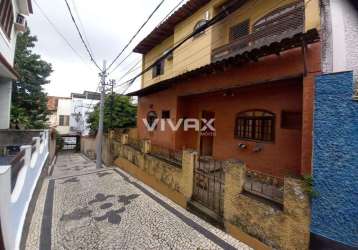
<point x="258" y="148"/>
<point x="242" y="146"/>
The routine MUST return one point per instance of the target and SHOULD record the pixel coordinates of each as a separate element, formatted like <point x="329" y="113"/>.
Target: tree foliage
<point x="124" y="114"/>
<point x="29" y="102"/>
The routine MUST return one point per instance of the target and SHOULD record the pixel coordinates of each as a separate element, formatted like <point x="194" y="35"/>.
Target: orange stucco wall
<point x="291" y="152"/>
<point x="280" y="157"/>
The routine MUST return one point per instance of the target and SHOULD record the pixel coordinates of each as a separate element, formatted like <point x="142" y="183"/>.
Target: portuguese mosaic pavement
<point x="80" y="207"/>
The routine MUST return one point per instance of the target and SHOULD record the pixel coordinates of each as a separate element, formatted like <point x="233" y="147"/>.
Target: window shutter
<point x="240" y="30"/>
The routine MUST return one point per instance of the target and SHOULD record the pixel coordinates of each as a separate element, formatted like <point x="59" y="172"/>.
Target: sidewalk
<point x="80" y="207"/>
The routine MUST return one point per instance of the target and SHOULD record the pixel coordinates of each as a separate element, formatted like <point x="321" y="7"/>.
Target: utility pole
<point x="113" y="82"/>
<point x="101" y="118"/>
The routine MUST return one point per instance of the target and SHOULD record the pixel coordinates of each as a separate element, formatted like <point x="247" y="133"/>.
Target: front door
<point x="207" y="137"/>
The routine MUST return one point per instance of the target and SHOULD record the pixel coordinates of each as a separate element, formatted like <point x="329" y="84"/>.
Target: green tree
<point x="29" y="102"/>
<point x="124" y="114"/>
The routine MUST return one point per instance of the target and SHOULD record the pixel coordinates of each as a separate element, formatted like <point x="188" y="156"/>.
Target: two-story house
<point x="253" y="73"/>
<point x="12" y="21"/>
<point x="82" y="105"/>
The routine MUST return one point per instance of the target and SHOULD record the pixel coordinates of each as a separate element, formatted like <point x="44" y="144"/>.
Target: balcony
<point x="275" y="27"/>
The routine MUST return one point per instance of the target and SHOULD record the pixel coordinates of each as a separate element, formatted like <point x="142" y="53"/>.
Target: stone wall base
<point x="151" y="181"/>
<point x="245" y="238"/>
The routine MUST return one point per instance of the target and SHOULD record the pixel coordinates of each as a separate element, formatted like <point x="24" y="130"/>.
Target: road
<point x="79" y="207"/>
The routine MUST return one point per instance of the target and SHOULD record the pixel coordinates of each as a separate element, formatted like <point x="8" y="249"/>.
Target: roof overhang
<point x="166" y="29"/>
<point x="297" y="40"/>
<point x="6" y="70"/>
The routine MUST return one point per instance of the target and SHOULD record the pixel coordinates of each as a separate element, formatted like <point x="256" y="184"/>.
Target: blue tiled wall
<point x="335" y="159"/>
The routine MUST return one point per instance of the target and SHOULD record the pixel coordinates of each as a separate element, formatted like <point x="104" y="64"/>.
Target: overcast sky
<point x="108" y="25"/>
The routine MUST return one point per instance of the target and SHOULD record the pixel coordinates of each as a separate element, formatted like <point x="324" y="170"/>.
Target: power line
<point x="179" y="4"/>
<point x="131" y="81"/>
<point x="81" y="37"/>
<point x="81" y="24"/>
<point x="59" y="32"/>
<point x="136" y="34"/>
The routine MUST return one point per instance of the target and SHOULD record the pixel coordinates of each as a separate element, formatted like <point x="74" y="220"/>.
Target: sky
<point x="107" y="25"/>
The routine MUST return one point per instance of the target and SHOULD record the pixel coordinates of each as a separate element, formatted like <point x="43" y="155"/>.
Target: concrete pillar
<point x="124" y="139"/>
<point x="307" y="124"/>
<point x="5" y="103"/>
<point x="38" y="143"/>
<point x="189" y="159"/>
<point x="235" y="172"/>
<point x="5" y="212"/>
<point x="27" y="156"/>
<point x="297" y="208"/>
<point x="146" y="146"/>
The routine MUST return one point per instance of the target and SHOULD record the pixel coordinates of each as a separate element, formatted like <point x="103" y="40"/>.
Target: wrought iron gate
<point x="209" y="184"/>
<point x="71" y="142"/>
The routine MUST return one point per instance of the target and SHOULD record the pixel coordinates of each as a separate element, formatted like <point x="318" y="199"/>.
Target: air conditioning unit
<point x="20" y="24"/>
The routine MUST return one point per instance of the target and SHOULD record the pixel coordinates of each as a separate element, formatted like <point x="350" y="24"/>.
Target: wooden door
<point x="207" y="137"/>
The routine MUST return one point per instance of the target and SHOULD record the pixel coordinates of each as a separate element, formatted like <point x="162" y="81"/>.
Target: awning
<point x="294" y="41"/>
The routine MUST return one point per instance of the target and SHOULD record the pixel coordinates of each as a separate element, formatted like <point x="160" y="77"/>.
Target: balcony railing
<point x="279" y="25"/>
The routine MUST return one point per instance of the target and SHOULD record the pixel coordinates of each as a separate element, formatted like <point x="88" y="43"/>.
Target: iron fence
<point x="264" y="186"/>
<point x="167" y="154"/>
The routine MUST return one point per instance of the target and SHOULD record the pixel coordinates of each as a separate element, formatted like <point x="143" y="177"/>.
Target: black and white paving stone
<point x="80" y="207"/>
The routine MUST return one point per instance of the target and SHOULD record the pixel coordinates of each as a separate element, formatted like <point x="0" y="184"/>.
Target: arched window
<point x="257" y="125"/>
<point x="198" y="25"/>
<point x="151" y="117"/>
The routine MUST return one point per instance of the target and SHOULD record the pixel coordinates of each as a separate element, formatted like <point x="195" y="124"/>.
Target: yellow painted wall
<point x="196" y="52"/>
<point x="151" y="57"/>
<point x="313" y="15"/>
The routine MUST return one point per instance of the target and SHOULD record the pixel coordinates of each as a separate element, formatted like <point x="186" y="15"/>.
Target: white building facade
<point x="63" y="115"/>
<point x="81" y="106"/>
<point x="12" y="21"/>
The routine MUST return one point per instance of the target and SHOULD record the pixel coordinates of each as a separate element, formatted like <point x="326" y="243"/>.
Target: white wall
<point x="83" y="107"/>
<point x="63" y="108"/>
<point x="7" y="48"/>
<point x="5" y="103"/>
<point x="340" y="27"/>
<point x="14" y="203"/>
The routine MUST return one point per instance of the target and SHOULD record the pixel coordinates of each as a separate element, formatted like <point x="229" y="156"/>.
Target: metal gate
<point x="71" y="142"/>
<point x="209" y="184"/>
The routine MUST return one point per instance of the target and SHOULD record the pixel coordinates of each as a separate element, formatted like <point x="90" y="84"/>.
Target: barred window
<point x="240" y="30"/>
<point x="6" y="17"/>
<point x="158" y="69"/>
<point x="257" y="125"/>
<point x="64" y="120"/>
